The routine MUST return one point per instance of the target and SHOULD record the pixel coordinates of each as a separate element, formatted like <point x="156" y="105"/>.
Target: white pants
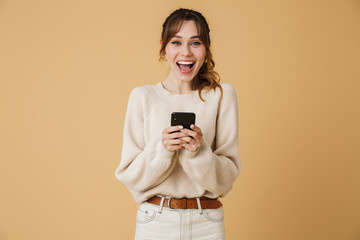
<point x="155" y="223"/>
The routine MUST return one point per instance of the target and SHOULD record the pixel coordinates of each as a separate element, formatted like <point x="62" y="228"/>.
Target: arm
<point x="143" y="164"/>
<point x="216" y="170"/>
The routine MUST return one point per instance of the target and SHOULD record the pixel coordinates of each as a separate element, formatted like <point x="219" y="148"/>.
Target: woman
<point x="177" y="174"/>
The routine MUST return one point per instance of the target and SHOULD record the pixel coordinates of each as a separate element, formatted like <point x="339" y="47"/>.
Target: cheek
<point x="201" y="54"/>
<point x="170" y="52"/>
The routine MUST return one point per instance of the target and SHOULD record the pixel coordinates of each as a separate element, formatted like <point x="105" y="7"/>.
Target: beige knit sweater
<point x="148" y="169"/>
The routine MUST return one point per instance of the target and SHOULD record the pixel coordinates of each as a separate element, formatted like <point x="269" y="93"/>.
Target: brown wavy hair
<point x="207" y="78"/>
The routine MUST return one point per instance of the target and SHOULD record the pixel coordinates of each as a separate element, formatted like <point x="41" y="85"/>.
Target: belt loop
<point x="161" y="204"/>
<point x="199" y="205"/>
<point x="169" y="202"/>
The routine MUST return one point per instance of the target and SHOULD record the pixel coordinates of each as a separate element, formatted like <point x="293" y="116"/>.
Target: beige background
<point x="67" y="67"/>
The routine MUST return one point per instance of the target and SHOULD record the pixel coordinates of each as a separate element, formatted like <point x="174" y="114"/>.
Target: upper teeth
<point x="185" y="63"/>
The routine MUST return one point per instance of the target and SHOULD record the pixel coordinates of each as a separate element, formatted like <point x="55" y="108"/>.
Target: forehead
<point x="187" y="28"/>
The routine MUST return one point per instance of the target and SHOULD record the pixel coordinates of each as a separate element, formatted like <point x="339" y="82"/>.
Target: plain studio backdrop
<point x="66" y="71"/>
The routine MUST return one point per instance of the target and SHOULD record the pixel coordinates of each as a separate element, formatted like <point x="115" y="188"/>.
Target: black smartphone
<point x="183" y="118"/>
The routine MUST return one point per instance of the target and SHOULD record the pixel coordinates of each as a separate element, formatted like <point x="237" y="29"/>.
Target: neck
<point x="177" y="86"/>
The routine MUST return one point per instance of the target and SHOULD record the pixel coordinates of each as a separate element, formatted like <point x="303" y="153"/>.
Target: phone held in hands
<point x="184" y="119"/>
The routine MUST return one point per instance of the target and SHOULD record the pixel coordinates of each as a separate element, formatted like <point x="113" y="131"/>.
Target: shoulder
<point x="223" y="90"/>
<point x="227" y="88"/>
<point x="143" y="91"/>
<point x="142" y="97"/>
<point x="228" y="91"/>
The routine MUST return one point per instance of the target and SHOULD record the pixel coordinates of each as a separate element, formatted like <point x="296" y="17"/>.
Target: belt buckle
<point x="184" y="204"/>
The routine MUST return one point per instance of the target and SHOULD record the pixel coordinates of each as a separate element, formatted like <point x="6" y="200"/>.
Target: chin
<point x="186" y="79"/>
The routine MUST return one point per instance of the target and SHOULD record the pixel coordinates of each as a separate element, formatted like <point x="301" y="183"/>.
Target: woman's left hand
<point x="194" y="138"/>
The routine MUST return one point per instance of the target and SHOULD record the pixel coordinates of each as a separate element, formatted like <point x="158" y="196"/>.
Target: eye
<point x="196" y="43"/>
<point x="175" y="43"/>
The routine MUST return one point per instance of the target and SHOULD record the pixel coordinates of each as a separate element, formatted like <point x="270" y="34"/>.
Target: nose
<point x="186" y="51"/>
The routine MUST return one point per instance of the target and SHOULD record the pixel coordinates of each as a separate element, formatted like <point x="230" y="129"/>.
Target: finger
<point x="188" y="140"/>
<point x="172" y="129"/>
<point x="174" y="144"/>
<point x="192" y="145"/>
<point x="193" y="129"/>
<point x="175" y="141"/>
<point x="191" y="148"/>
<point x="176" y="135"/>
<point x="174" y="148"/>
<point x="193" y="134"/>
<point x="196" y="129"/>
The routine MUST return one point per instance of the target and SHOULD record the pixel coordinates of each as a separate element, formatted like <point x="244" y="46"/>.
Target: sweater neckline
<point x="167" y="93"/>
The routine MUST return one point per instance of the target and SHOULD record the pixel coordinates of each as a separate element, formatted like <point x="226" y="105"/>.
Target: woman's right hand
<point x="171" y="138"/>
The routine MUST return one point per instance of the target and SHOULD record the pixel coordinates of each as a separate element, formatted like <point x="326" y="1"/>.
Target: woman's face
<point x="185" y="53"/>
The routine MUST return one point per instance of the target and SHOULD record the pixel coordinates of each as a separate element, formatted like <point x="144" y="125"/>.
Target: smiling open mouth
<point x="185" y="67"/>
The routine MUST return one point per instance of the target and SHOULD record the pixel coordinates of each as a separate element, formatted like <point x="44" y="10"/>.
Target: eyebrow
<point x="177" y="36"/>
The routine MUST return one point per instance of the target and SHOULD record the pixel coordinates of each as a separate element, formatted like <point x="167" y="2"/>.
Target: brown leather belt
<point x="186" y="203"/>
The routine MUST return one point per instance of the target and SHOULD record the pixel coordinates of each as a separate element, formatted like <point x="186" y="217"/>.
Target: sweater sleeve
<point x="216" y="170"/>
<point x="143" y="164"/>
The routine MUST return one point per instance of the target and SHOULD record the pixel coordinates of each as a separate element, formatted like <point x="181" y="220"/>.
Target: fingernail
<point x="181" y="127"/>
<point x="192" y="126"/>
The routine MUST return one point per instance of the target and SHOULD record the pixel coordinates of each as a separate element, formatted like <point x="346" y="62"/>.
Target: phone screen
<point x="183" y="118"/>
